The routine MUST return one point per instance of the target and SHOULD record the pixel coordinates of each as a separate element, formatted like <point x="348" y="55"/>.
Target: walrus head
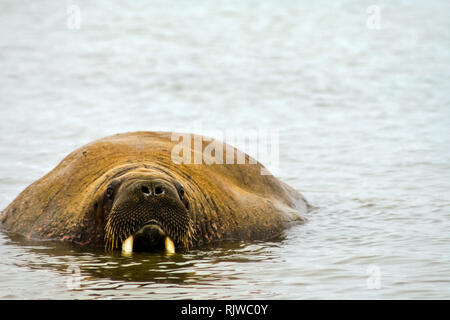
<point x="148" y="211"/>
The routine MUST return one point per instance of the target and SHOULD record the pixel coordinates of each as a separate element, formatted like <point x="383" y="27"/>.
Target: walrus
<point x="126" y="192"/>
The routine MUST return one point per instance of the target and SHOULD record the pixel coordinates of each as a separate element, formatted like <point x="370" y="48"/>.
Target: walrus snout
<point x="152" y="189"/>
<point x="148" y="213"/>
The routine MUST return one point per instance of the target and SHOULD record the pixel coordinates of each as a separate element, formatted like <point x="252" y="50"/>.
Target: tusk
<point x="170" y="246"/>
<point x="127" y="245"/>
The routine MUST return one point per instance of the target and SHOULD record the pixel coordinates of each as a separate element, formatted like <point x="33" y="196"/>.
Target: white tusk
<point x="127" y="245"/>
<point x="170" y="246"/>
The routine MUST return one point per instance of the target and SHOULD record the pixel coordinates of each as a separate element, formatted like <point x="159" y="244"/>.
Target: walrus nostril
<point x="159" y="190"/>
<point x="145" y="190"/>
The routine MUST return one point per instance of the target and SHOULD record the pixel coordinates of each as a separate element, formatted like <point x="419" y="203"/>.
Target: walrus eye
<point x="109" y="192"/>
<point x="180" y="190"/>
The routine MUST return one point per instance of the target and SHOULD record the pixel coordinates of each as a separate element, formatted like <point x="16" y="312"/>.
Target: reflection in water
<point x="98" y="269"/>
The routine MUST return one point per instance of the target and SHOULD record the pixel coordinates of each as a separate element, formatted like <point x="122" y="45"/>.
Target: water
<point x="363" y="117"/>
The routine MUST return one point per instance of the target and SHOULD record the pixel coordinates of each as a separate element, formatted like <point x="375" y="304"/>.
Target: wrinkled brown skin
<point x="227" y="201"/>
